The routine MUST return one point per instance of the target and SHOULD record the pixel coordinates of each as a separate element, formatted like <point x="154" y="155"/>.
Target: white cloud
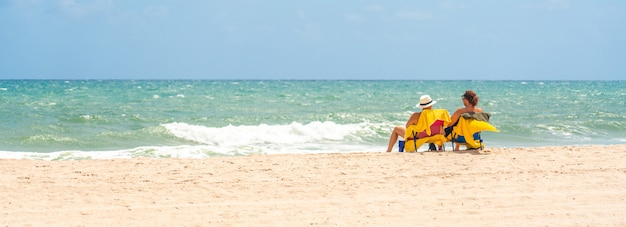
<point x="264" y="28"/>
<point x="310" y="32"/>
<point x="449" y="5"/>
<point x="23" y="3"/>
<point x="353" y="17"/>
<point x="300" y="14"/>
<point x="157" y="11"/>
<point x="548" y="5"/>
<point x="558" y="4"/>
<point x="414" y="15"/>
<point x="374" y="8"/>
<point x="230" y="28"/>
<point x="83" y="8"/>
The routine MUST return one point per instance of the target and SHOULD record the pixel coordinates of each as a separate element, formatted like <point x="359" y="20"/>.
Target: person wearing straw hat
<point x="426" y="102"/>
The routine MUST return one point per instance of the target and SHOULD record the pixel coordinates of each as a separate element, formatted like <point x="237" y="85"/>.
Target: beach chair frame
<point x="436" y="129"/>
<point x="456" y="139"/>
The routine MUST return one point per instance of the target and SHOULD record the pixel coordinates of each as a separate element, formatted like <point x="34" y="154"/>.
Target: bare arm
<point x="455" y="117"/>
<point x="413" y="119"/>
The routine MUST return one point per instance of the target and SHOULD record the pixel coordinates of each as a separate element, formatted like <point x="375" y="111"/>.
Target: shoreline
<point x="193" y="152"/>
<point x="557" y="185"/>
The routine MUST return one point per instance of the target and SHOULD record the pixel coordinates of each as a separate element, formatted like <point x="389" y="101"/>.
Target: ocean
<point x="105" y="119"/>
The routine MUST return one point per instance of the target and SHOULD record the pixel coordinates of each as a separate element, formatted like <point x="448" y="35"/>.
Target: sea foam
<point x="263" y="134"/>
<point x="293" y="138"/>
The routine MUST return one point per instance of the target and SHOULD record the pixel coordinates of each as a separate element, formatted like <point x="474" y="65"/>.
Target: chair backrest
<point x="435" y="128"/>
<point x="476" y="116"/>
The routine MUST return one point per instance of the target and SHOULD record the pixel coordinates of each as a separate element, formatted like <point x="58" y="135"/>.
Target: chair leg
<point x="414" y="139"/>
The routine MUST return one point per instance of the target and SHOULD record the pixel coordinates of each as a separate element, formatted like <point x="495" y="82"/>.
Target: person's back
<point x="470" y="101"/>
<point x="429" y="129"/>
<point x="427" y="118"/>
<point x="426" y="103"/>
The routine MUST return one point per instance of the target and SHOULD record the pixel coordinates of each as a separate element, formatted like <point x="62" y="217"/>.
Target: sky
<point x="314" y="39"/>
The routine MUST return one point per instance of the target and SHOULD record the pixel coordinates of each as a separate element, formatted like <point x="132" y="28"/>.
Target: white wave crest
<point x="293" y="138"/>
<point x="265" y="134"/>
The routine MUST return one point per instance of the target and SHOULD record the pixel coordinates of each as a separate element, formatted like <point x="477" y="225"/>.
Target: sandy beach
<point x="553" y="186"/>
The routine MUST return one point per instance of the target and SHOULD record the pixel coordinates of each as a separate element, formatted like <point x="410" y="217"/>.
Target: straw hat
<point x="425" y="101"/>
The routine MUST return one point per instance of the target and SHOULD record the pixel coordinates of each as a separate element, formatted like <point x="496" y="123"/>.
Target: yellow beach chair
<point x="429" y="129"/>
<point x="467" y="131"/>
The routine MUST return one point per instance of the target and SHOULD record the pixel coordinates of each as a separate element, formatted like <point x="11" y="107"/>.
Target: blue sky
<point x="321" y="39"/>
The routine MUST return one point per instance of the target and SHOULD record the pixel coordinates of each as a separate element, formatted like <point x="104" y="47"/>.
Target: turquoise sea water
<point x="119" y="119"/>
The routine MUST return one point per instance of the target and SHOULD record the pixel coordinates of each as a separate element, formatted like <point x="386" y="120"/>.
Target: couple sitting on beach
<point x="423" y="124"/>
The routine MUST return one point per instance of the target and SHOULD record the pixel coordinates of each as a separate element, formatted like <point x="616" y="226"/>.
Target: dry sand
<point x="558" y="186"/>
